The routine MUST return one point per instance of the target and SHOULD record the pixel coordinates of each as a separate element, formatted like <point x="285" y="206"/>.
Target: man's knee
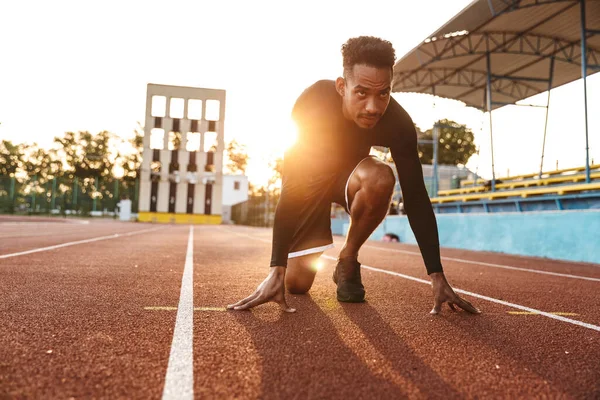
<point x="295" y="287"/>
<point x="379" y="181"/>
<point x="301" y="273"/>
<point x="298" y="283"/>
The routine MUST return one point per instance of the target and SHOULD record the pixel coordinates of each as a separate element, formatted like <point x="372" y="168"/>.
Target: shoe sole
<point x="351" y="299"/>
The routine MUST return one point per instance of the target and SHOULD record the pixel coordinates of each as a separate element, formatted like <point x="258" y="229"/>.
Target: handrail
<point x="527" y="183"/>
<point x="560" y="190"/>
<point x="532" y="175"/>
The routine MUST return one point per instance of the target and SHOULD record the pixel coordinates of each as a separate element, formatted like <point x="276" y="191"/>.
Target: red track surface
<point x="74" y="322"/>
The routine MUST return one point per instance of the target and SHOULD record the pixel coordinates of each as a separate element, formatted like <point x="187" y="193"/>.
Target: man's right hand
<point x="271" y="289"/>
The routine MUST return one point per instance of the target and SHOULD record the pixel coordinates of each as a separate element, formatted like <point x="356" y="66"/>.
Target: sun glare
<point x="267" y="145"/>
<point x="283" y="138"/>
<point x="318" y="265"/>
<point x="118" y="171"/>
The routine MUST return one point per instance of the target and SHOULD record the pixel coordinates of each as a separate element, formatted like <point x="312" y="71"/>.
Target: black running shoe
<point x="347" y="277"/>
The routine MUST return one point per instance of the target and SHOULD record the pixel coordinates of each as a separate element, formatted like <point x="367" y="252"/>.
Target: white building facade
<point x="235" y="191"/>
<point x="182" y="162"/>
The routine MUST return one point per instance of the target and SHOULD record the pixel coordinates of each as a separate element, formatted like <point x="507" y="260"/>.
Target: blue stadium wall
<point x="561" y="235"/>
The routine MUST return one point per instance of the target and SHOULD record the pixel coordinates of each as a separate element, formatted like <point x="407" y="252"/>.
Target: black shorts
<point x="313" y="234"/>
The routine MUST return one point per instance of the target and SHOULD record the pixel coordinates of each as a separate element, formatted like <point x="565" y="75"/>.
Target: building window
<point x="236" y="185"/>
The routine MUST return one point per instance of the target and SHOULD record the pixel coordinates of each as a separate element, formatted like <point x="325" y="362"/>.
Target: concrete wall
<point x="561" y="235"/>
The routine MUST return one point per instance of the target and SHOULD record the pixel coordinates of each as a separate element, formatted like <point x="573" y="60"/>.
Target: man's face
<point x="365" y="94"/>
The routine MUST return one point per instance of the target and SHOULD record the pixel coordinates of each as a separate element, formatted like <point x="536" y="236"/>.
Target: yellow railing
<point x="521" y="184"/>
<point x="533" y="175"/>
<point x="560" y="190"/>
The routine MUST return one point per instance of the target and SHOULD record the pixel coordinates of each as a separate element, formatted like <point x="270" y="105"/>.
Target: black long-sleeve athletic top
<point x="329" y="142"/>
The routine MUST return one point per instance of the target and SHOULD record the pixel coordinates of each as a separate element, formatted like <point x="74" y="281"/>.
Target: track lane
<point x="74" y="323"/>
<point x="50" y="234"/>
<point x="108" y="344"/>
<point x="575" y="297"/>
<point x="542" y="292"/>
<point x="265" y="353"/>
<point x="387" y="347"/>
<point x="448" y="254"/>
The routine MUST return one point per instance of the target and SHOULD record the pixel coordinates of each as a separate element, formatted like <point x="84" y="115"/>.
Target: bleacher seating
<point x="551" y="178"/>
<point x="564" y="189"/>
<point x="556" y="189"/>
<point x="465" y="183"/>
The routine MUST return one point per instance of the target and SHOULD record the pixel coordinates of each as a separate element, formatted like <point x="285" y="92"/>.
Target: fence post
<point x="135" y="192"/>
<point x="75" y="189"/>
<point x="94" y="199"/>
<point x="46" y="196"/>
<point x="116" y="194"/>
<point x="33" y="195"/>
<point x="12" y="191"/>
<point x="53" y="201"/>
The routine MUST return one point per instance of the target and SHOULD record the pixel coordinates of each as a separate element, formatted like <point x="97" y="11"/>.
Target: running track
<point x="117" y="310"/>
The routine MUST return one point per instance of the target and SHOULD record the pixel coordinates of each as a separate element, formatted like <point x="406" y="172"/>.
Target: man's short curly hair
<point x="368" y="50"/>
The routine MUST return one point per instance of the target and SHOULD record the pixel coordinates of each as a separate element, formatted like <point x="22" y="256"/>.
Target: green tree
<point x="237" y="157"/>
<point x="456" y="144"/>
<point x="11" y="157"/>
<point x="38" y="162"/>
<point x="131" y="159"/>
<point x="87" y="155"/>
<point x="40" y="166"/>
<point x="276" y="166"/>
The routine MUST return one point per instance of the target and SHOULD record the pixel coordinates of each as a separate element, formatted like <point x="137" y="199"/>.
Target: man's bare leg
<point x="369" y="192"/>
<point x="301" y="272"/>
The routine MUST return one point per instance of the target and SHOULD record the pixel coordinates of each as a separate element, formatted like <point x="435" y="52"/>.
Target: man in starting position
<point x="338" y="122"/>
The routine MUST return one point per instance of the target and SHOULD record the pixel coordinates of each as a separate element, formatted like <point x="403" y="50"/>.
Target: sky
<point x="72" y="65"/>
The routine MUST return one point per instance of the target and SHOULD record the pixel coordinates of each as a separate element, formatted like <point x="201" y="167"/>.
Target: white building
<point x="181" y="175"/>
<point x="235" y="191"/>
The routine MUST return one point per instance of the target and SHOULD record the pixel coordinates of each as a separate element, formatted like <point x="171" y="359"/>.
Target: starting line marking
<point x="159" y="308"/>
<point x="535" y="271"/>
<point x="566" y="314"/>
<point x="491" y="299"/>
<point x="96" y="239"/>
<point x="479" y="296"/>
<point x="179" y="382"/>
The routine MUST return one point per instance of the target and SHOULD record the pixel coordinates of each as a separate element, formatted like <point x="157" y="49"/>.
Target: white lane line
<point x="479" y="296"/>
<point x="43" y="223"/>
<point x="96" y="239"/>
<point x="179" y="382"/>
<point x="491" y="299"/>
<point x="535" y="271"/>
<point x="27" y="235"/>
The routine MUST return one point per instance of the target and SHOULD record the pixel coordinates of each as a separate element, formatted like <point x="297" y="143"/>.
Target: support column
<point x="547" y="110"/>
<point x="436" y="135"/>
<point x="584" y="76"/>
<point x="489" y="107"/>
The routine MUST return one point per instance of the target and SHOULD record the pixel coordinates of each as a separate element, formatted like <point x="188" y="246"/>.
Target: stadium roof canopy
<point x="524" y="47"/>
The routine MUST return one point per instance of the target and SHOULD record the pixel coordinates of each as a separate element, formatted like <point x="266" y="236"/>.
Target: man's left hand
<point x="443" y="293"/>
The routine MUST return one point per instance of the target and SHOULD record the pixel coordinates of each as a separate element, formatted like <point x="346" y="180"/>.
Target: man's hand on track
<point x="271" y="289"/>
<point x="443" y="293"/>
